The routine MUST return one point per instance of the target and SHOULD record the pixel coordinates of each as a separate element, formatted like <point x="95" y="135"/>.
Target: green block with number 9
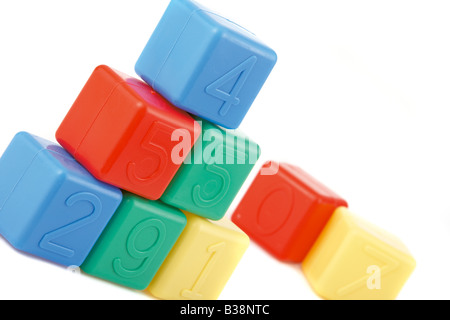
<point x="136" y="241"/>
<point x="214" y="172"/>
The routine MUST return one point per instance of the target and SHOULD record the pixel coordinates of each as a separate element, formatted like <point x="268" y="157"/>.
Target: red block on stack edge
<point x="121" y="130"/>
<point x="285" y="209"/>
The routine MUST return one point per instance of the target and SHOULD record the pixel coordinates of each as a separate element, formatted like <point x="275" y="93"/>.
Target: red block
<point x="120" y="130"/>
<point x="285" y="210"/>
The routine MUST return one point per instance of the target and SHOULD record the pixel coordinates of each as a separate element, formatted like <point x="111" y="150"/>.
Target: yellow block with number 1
<point x="201" y="262"/>
<point x="354" y="260"/>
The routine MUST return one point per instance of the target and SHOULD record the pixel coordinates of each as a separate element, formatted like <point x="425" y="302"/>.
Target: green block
<point x="214" y="172"/>
<point x="135" y="242"/>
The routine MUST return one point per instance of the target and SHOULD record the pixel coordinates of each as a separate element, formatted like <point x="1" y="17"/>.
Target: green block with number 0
<point x="135" y="242"/>
<point x="214" y="172"/>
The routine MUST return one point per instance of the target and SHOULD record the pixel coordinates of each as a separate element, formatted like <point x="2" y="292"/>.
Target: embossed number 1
<point x="242" y="72"/>
<point x="194" y="293"/>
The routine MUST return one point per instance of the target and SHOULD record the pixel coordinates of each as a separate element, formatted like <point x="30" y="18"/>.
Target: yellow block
<point x="201" y="262"/>
<point x="354" y="260"/>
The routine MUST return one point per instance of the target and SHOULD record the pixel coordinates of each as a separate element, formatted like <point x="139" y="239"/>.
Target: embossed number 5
<point x="199" y="196"/>
<point x="159" y="131"/>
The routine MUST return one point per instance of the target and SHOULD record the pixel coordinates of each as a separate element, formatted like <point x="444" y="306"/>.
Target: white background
<point x="359" y="99"/>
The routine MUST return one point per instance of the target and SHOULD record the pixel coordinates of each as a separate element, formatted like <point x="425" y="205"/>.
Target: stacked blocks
<point x="138" y="192"/>
<point x="297" y="219"/>
<point x="128" y="194"/>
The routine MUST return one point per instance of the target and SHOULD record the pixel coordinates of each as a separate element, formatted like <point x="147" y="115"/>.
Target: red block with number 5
<point x="285" y="210"/>
<point x="121" y="130"/>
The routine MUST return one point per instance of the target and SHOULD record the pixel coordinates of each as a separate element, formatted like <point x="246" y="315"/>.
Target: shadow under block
<point x="121" y="130"/>
<point x="205" y="64"/>
<point x="50" y="206"/>
<point x="135" y="242"/>
<point x="284" y="210"/>
<point x="201" y="262"/>
<point x="219" y="164"/>
<point x="355" y="260"/>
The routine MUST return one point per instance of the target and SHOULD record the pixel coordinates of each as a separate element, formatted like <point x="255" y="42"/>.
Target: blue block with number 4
<point x="205" y="64"/>
<point x="50" y="206"/>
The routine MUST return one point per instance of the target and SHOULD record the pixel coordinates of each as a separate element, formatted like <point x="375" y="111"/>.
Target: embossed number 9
<point x="147" y="254"/>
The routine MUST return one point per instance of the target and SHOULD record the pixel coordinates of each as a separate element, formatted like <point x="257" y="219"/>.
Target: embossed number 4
<point x="242" y="72"/>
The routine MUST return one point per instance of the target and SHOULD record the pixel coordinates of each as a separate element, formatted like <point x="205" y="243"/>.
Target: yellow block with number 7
<point x="201" y="262"/>
<point x="354" y="260"/>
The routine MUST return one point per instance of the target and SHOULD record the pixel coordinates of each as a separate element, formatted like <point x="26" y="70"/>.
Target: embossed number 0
<point x="242" y="72"/>
<point x="47" y="241"/>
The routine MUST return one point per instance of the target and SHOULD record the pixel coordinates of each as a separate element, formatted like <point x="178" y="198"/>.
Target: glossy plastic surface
<point x="121" y="131"/>
<point x="201" y="262"/>
<point x="50" y="206"/>
<point x="135" y="242"/>
<point x="355" y="260"/>
<point x="285" y="210"/>
<point x="220" y="162"/>
<point x="205" y="64"/>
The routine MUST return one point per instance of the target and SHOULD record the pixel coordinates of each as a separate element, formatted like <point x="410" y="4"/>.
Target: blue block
<point x="205" y="64"/>
<point x="50" y="206"/>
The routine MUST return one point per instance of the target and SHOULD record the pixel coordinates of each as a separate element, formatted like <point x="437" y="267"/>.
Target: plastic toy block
<point x="50" y="206"/>
<point x="218" y="165"/>
<point x="355" y="260"/>
<point x="121" y="130"/>
<point x="205" y="64"/>
<point x="284" y="210"/>
<point x="201" y="262"/>
<point x="135" y="242"/>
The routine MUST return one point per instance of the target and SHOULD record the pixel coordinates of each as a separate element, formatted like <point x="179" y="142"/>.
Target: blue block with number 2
<point x="50" y="206"/>
<point x="205" y="64"/>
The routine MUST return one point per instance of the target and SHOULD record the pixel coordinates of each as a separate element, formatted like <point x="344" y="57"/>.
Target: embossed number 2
<point x="47" y="241"/>
<point x="242" y="72"/>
